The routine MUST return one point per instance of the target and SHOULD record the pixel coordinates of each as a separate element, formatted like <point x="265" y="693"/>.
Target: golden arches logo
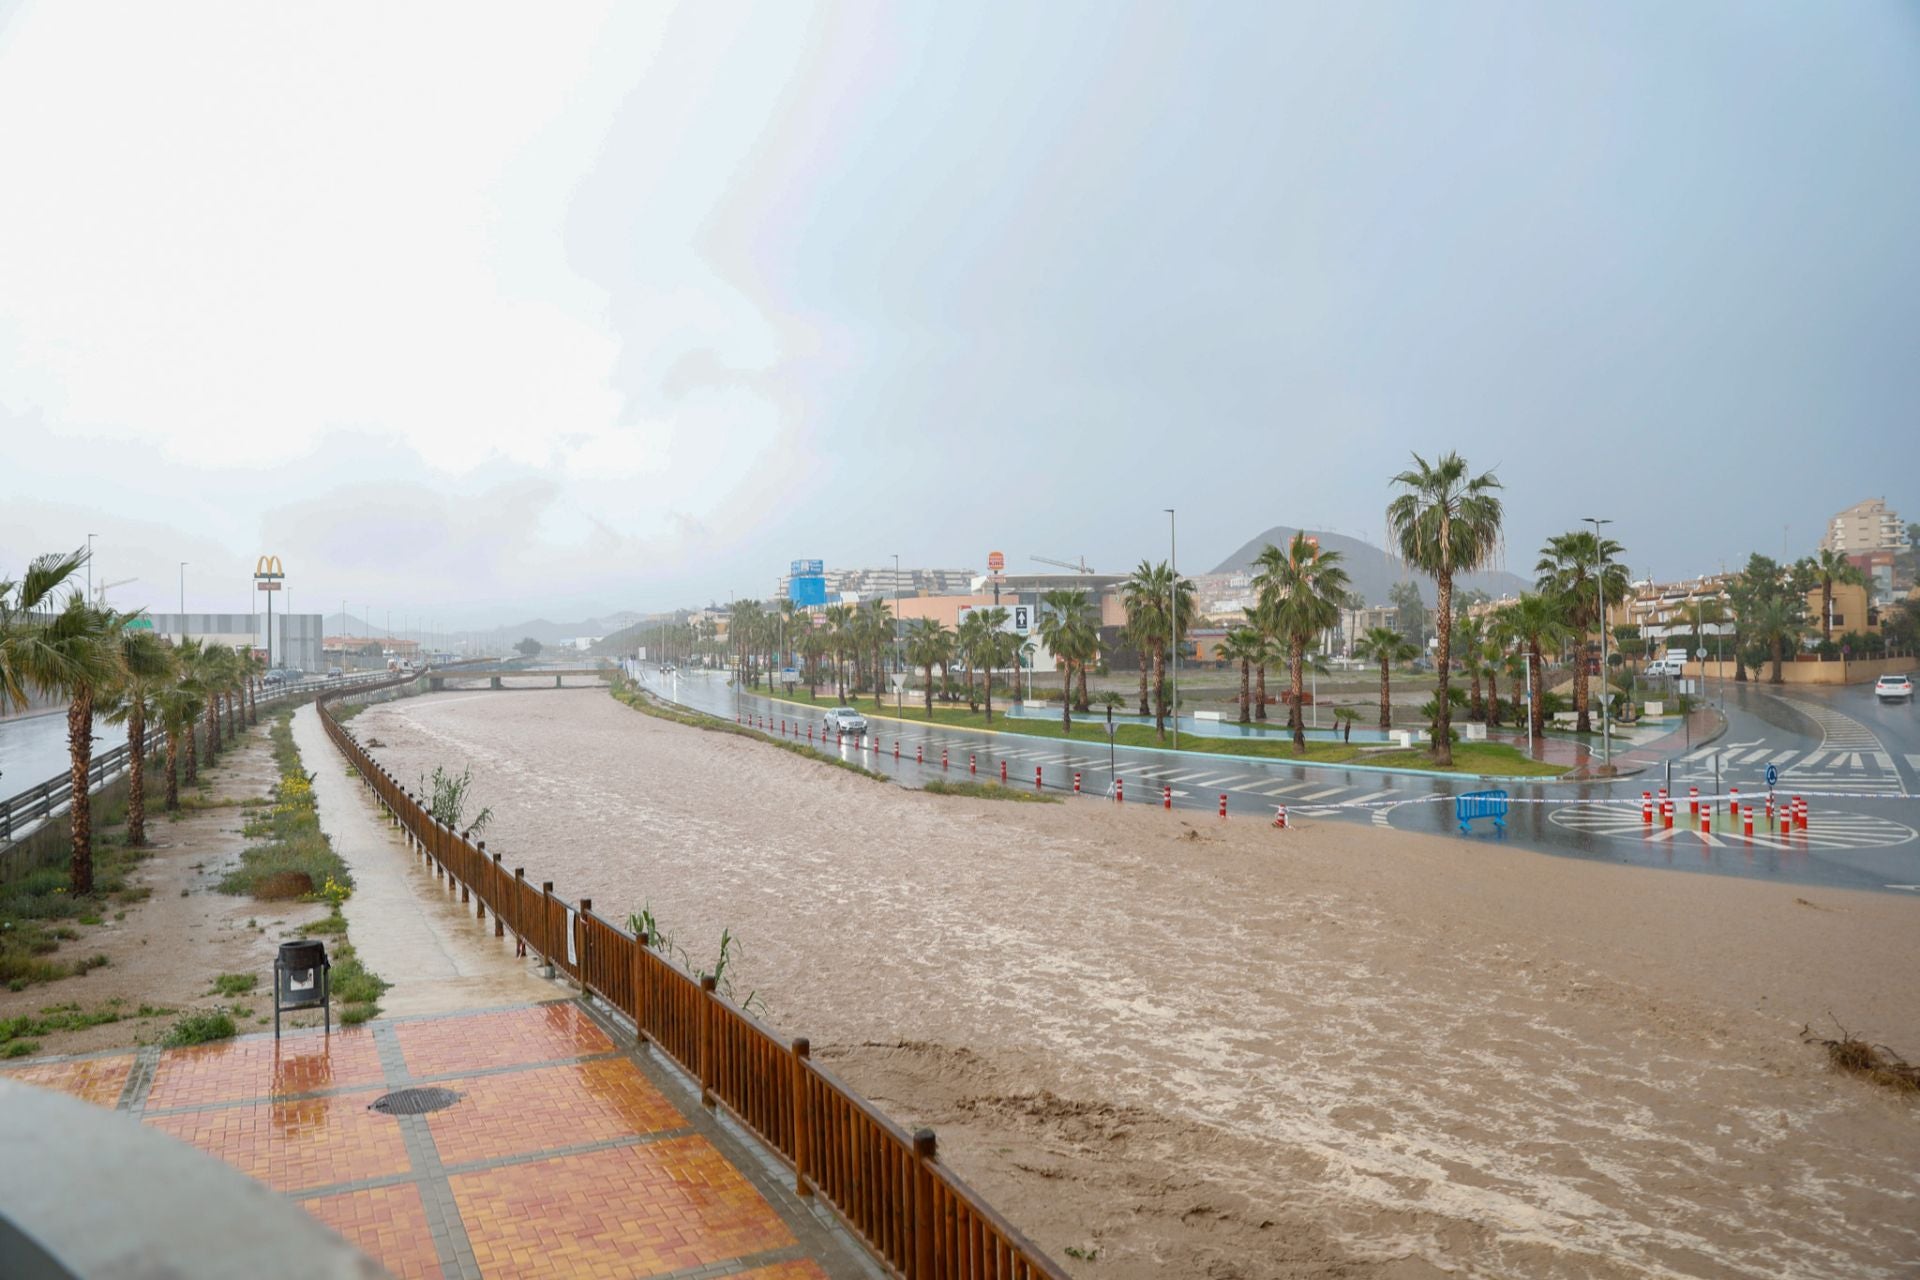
<point x="268" y="567"/>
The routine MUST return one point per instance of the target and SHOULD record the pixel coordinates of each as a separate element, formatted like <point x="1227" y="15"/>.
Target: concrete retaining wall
<point x="1864" y="671"/>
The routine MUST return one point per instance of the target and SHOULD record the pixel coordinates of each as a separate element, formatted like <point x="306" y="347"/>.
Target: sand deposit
<point x="1195" y="1049"/>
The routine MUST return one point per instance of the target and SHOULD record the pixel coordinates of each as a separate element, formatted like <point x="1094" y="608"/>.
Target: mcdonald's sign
<point x="268" y="567"/>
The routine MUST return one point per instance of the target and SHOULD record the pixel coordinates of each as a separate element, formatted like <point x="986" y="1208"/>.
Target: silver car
<point x="846" y="720"/>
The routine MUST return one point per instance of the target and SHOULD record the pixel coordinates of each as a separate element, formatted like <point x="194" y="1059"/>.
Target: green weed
<point x="200" y="1028"/>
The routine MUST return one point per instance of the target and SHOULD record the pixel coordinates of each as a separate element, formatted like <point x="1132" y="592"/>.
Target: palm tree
<point x="1571" y="566"/>
<point x="1068" y="629"/>
<point x="1779" y="623"/>
<point x="971" y="643"/>
<point x="1828" y="568"/>
<point x="1387" y="646"/>
<point x="1243" y="645"/>
<point x="217" y="665"/>
<point x="77" y="656"/>
<point x="178" y="707"/>
<point x="876" y="630"/>
<point x="990" y="646"/>
<point x="929" y="643"/>
<point x="1493" y="643"/>
<point x="1265" y="625"/>
<point x="146" y="669"/>
<point x="1539" y="622"/>
<point x="837" y="618"/>
<point x="1447" y="521"/>
<point x="25" y="660"/>
<point x="1307" y="586"/>
<point x="813" y="647"/>
<point x="1144" y="596"/>
<point x="1344" y="717"/>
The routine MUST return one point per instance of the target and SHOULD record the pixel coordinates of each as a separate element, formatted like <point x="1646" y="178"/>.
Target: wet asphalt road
<point x="1822" y="741"/>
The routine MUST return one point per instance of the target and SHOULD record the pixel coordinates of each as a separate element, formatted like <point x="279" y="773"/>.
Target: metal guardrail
<point x="23" y="812"/>
<point x="914" y="1215"/>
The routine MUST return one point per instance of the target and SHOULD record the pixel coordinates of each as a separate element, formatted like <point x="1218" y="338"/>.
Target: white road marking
<point x="1223" y="778"/>
<point x="1286" y="788"/>
<point x="1371" y="795"/>
<point x="1322" y="795"/>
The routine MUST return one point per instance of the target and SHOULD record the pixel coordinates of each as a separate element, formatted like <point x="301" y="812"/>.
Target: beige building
<point x="1865" y="526"/>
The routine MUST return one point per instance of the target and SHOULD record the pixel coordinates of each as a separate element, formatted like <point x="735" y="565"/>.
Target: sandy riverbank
<point x="1227" y="1051"/>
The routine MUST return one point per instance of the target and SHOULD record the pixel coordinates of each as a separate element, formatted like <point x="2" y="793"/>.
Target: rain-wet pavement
<point x="1860" y="834"/>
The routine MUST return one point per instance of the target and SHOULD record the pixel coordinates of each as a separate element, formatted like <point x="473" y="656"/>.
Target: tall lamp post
<point x="90" y="538"/>
<point x="900" y="687"/>
<point x="1173" y="617"/>
<point x="1600" y="593"/>
<point x="183" y="602"/>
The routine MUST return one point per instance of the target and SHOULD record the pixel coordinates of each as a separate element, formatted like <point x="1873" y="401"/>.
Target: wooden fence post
<point x="500" y="890"/>
<point x="638" y="961"/>
<point x="802" y="1120"/>
<point x="924" y="1148"/>
<point x="519" y="900"/>
<point x="480" y="908"/>
<point x="707" y="985"/>
<point x="580" y="943"/>
<point x="546" y="924"/>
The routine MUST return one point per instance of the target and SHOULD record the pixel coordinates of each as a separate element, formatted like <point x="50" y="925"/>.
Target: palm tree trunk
<point x="1159" y="692"/>
<point x="1386" y="700"/>
<point x="1246" y="675"/>
<point x="173" y="769"/>
<point x="989" y="683"/>
<point x="1066" y="700"/>
<point x="929" y="693"/>
<point x="1260" y="690"/>
<point x="1776" y="662"/>
<point x="1826" y="609"/>
<point x="228" y="697"/>
<point x="1537" y="664"/>
<point x="137" y="772"/>
<point x="1443" y="720"/>
<point x="1297" y="673"/>
<point x="193" y="753"/>
<point x="253" y="700"/>
<point x="1477" y="709"/>
<point x="80" y="810"/>
<point x="1493" y="695"/>
<point x="1146" y="665"/>
<point x="213" y="726"/>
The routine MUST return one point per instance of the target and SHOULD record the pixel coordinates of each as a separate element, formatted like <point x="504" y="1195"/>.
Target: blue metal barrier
<point x="1480" y="804"/>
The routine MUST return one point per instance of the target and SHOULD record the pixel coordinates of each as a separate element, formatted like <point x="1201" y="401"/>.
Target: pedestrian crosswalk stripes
<point x="1322" y="795"/>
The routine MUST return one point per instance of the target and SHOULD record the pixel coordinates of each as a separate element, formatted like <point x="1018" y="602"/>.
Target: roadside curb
<point x="1197" y="755"/>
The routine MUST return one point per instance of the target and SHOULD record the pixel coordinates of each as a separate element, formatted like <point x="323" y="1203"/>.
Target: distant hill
<point x="553" y="632"/>
<point x="1372" y="570"/>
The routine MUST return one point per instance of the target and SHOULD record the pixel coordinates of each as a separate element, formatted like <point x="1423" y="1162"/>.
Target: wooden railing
<point x="886" y="1184"/>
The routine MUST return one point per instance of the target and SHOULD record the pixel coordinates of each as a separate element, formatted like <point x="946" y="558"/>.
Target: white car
<point x="1887" y="688"/>
<point x="846" y="720"/>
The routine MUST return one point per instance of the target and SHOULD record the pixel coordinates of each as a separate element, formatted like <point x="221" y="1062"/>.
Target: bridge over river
<point x="449" y="677"/>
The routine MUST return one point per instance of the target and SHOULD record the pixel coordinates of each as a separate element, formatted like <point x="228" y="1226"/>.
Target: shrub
<point x="200" y="1028"/>
<point x="235" y="984"/>
<point x="283" y="886"/>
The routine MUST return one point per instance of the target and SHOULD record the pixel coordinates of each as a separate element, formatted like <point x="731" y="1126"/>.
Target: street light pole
<point x="900" y="687"/>
<point x="90" y="538"/>
<point x="1173" y="617"/>
<point x="1600" y="594"/>
<point x="183" y="601"/>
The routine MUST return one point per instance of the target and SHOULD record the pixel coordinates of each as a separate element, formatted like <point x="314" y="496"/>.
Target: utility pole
<point x="1173" y="618"/>
<point x="183" y="601"/>
<point x="90" y="538"/>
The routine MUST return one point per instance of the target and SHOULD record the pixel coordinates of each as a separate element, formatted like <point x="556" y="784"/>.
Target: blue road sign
<point x="1773" y="774"/>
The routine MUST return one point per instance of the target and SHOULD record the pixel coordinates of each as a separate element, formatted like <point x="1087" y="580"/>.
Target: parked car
<point x="1671" y="664"/>
<point x="1891" y="688"/>
<point x="846" y="720"/>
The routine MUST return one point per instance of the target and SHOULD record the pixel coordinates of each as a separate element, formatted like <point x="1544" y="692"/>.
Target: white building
<point x="1868" y="525"/>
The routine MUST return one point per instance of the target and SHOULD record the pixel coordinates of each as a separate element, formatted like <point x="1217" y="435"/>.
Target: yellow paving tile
<point x="802" y="1269"/>
<point x="95" y="1080"/>
<point x="627" y="1211"/>
<point x="519" y="1112"/>
<point x="234" y="1070"/>
<point x="542" y="1033"/>
<point x="388" y="1224"/>
<point x="293" y="1146"/>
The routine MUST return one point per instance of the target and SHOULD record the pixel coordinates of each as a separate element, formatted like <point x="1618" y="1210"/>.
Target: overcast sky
<point x="485" y="312"/>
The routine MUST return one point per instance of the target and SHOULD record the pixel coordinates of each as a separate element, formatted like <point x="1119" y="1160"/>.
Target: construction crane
<point x="100" y="589"/>
<point x="1064" y="564"/>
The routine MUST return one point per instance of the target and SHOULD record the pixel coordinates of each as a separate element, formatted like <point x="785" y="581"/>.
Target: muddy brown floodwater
<point x="1190" y="1048"/>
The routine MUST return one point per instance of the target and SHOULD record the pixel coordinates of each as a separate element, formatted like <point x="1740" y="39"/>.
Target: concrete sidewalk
<point x="405" y="925"/>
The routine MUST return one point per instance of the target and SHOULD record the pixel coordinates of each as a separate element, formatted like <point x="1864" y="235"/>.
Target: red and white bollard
<point x="1693" y="802"/>
<point x="809" y="733"/>
<point x="1119" y="791"/>
<point x="1076" y="782"/>
<point x="1800" y="813"/>
<point x="1706" y="820"/>
<point x="1166" y="797"/>
<point x="1223" y="804"/>
<point x="1280" y="816"/>
<point x="943" y="757"/>
<point x="1733" y="801"/>
<point x="1786" y="820"/>
<point x="919" y="755"/>
<point x="896" y="748"/>
<point x="1037" y="784"/>
<point x="1666" y="813"/>
<point x="972" y="763"/>
<point x="1003" y="773"/>
<point x="1746" y="828"/>
<point x="1769" y="808"/>
<point x="1646" y="807"/>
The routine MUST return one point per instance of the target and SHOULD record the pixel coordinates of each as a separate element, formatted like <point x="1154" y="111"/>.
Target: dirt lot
<point x="1180" y="1048"/>
<point x="169" y="948"/>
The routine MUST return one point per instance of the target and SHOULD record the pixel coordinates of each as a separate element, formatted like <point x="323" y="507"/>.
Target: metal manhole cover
<point x="413" y="1102"/>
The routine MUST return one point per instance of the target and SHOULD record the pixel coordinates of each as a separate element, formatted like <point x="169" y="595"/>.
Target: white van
<point x="1669" y="664"/>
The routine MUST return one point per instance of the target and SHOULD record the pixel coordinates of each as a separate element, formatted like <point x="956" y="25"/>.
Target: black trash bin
<point x="301" y="980"/>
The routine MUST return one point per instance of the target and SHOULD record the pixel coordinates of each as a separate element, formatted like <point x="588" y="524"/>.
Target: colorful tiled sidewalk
<point x="565" y="1155"/>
